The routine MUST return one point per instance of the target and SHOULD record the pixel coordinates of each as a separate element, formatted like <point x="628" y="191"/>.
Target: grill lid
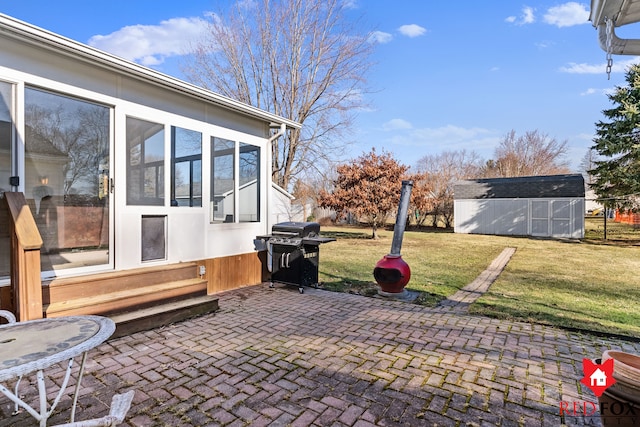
<point x="298" y="229"/>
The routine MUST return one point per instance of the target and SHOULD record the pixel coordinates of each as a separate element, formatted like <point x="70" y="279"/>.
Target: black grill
<point x="293" y="252"/>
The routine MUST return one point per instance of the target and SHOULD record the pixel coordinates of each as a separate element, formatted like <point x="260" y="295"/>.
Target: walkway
<point x="461" y="300"/>
<point x="275" y="357"/>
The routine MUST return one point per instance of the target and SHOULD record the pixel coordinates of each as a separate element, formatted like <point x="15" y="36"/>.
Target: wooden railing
<point x="26" y="243"/>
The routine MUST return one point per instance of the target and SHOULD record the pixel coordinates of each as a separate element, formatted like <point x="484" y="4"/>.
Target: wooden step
<point x="162" y="315"/>
<point x="66" y="288"/>
<point x="135" y="297"/>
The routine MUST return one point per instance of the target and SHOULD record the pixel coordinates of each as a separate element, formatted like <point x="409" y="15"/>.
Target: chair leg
<point x="120" y="404"/>
<point x="17" y="407"/>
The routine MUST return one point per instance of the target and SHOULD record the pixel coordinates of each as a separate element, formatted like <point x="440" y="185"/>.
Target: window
<point x="249" y="183"/>
<point x="145" y="163"/>
<point x="186" y="167"/>
<point x="235" y="181"/>
<point x="222" y="180"/>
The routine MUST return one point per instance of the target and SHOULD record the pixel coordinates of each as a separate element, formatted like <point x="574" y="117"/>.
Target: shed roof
<point x="530" y="187"/>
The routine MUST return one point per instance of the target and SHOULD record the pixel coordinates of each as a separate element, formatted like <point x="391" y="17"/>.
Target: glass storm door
<point x="6" y="170"/>
<point x="67" y="178"/>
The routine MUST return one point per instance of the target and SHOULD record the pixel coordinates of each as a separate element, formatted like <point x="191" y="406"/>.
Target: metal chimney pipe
<point x="401" y="218"/>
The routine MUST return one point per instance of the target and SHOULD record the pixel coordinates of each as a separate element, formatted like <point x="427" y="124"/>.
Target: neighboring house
<point x="591" y="206"/>
<point x="282" y="209"/>
<point x="136" y="168"/>
<point x="545" y="206"/>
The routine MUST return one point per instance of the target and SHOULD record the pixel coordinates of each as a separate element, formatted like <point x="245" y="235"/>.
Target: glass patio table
<point x="35" y="345"/>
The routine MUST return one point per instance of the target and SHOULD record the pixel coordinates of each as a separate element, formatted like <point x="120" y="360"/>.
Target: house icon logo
<point x="598" y="377"/>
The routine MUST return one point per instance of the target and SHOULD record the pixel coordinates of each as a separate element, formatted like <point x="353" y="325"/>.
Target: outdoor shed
<point x="544" y="206"/>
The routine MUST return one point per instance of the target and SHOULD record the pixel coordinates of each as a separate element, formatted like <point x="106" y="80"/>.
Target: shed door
<point x="561" y="218"/>
<point x="540" y="218"/>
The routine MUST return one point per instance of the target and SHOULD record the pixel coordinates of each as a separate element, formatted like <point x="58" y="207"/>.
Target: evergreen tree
<point x="617" y="171"/>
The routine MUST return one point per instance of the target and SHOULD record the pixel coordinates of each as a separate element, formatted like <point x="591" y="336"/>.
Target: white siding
<point x="521" y="217"/>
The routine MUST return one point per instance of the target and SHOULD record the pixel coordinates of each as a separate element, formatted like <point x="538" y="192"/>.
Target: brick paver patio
<point x="273" y="356"/>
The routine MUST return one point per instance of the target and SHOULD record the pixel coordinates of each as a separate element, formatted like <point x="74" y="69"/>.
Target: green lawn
<point x="591" y="284"/>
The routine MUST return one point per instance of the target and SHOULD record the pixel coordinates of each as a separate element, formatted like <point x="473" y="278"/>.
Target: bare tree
<point x="81" y="133"/>
<point x="440" y="172"/>
<point x="300" y="59"/>
<point x="531" y="154"/>
<point x="587" y="164"/>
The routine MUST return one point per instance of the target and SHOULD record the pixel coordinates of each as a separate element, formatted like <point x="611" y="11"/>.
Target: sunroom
<point x="125" y="169"/>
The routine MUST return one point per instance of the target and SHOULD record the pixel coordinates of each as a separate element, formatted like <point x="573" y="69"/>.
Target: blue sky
<point x="448" y="75"/>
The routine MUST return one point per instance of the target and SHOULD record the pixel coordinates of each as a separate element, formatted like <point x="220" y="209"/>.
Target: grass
<point x="590" y="284"/>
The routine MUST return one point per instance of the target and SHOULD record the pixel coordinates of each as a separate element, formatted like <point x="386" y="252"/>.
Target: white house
<point x="125" y="167"/>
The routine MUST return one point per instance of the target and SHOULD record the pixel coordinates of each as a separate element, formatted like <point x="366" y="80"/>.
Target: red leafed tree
<point x="423" y="202"/>
<point x="368" y="188"/>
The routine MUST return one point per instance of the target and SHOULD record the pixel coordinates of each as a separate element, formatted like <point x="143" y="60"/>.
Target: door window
<point x="6" y="158"/>
<point x="67" y="177"/>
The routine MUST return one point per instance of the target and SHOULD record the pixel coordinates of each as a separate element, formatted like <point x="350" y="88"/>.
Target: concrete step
<point x="162" y="314"/>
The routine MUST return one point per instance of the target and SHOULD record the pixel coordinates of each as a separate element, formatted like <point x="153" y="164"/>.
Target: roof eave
<point x="17" y="29"/>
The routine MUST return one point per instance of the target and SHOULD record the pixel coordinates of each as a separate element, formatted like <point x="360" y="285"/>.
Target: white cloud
<point x="593" y="91"/>
<point x="396" y="124"/>
<point x="450" y="137"/>
<point x="544" y="44"/>
<point x="618" y="67"/>
<point x="590" y="91"/>
<point x="351" y="4"/>
<point x="449" y="133"/>
<point x="412" y="30"/>
<point x="151" y="44"/>
<point x="526" y="17"/>
<point x="380" y="37"/>
<point x="567" y="15"/>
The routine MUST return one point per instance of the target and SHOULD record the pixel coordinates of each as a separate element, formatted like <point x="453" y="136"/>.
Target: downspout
<point x="281" y="132"/>
<point x="618" y="46"/>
